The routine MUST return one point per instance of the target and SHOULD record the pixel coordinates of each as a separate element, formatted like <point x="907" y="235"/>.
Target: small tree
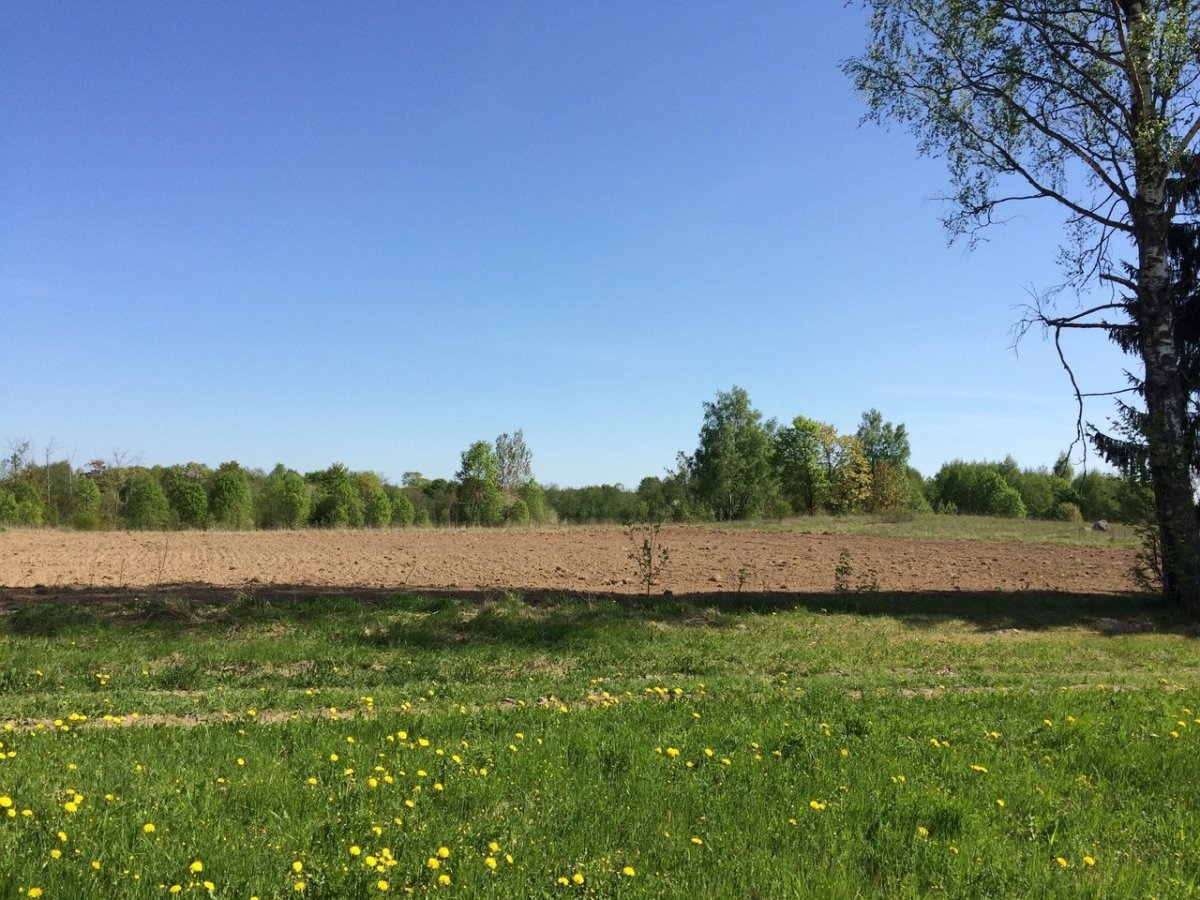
<point x="229" y="497"/>
<point x="146" y="504"/>
<point x="478" y="493"/>
<point x="284" y="500"/>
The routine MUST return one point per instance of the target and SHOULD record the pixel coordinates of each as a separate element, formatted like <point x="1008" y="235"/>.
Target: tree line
<point x="743" y="467"/>
<point x="494" y="485"/>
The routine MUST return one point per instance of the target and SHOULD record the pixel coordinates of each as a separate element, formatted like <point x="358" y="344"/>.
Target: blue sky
<point x="377" y="232"/>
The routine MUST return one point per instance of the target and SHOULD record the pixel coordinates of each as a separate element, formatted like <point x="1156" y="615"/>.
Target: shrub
<point x="229" y="497"/>
<point x="377" y="511"/>
<point x="189" y="501"/>
<point x="284" y="500"/>
<point x="1066" y="512"/>
<point x="87" y="504"/>
<point x="518" y="513"/>
<point x="402" y="508"/>
<point x="146" y="504"/>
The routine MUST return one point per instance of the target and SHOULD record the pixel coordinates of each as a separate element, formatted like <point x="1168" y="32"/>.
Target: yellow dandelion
<point x="443" y="879"/>
<point x="196" y="867"/>
<point x="490" y="862"/>
<point x="34" y="892"/>
<point x="577" y="878"/>
<point x="297" y="867"/>
<point x="1089" y="860"/>
<point x="697" y="841"/>
<point x="175" y="889"/>
<point x="978" y="768"/>
<point x="1061" y="862"/>
<point x="433" y="862"/>
<point x="355" y="850"/>
<point x="382" y="885"/>
<point x="628" y="871"/>
<point x="922" y="831"/>
<point x="209" y="886"/>
<point x="298" y="886"/>
<point x="148" y="828"/>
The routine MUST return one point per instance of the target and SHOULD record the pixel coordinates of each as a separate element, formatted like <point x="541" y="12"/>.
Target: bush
<point x="518" y="513"/>
<point x="229" y="497"/>
<point x="146" y="504"/>
<point x="778" y="509"/>
<point x="283" y="501"/>
<point x="87" y="504"/>
<point x="1066" y="512"/>
<point x="402" y="508"/>
<point x="377" y="511"/>
<point x="189" y="501"/>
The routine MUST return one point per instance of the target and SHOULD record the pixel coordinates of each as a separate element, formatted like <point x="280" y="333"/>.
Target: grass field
<point x="826" y="745"/>
<point x="963" y="528"/>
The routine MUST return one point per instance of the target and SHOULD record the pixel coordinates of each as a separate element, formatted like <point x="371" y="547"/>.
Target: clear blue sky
<point x="377" y="232"/>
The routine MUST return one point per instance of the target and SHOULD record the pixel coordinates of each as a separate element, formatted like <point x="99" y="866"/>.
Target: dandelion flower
<point x="148" y="828"/>
<point x="433" y="862"/>
<point x="1089" y="860"/>
<point x="297" y="867"/>
<point x="443" y="852"/>
<point x="196" y="867"/>
<point x="443" y="879"/>
<point x="1061" y="862"/>
<point x="382" y="885"/>
<point x="697" y="841"/>
<point x="490" y="862"/>
<point x="922" y="831"/>
<point x="978" y="768"/>
<point x="577" y="878"/>
<point x="628" y="871"/>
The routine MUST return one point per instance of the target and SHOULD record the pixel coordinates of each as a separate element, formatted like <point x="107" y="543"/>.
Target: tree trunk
<point x="1166" y="393"/>
<point x="1166" y="398"/>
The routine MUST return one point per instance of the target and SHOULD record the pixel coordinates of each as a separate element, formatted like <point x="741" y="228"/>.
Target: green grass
<point x="942" y="527"/>
<point x="747" y="747"/>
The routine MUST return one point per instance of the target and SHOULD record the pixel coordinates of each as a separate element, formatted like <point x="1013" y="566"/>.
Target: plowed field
<point x="577" y="560"/>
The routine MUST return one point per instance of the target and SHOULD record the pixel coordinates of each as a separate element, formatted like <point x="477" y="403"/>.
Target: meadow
<point x="490" y="744"/>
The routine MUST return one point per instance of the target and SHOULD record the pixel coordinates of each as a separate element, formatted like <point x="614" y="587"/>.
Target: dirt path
<point x="579" y="560"/>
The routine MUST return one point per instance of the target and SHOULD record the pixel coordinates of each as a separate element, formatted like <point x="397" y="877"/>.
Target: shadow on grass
<point x="549" y="618"/>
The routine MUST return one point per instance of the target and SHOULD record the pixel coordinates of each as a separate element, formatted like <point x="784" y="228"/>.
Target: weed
<point x="648" y="555"/>
<point x="846" y="581"/>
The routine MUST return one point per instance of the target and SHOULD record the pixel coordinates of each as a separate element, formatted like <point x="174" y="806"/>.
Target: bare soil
<point x="580" y="560"/>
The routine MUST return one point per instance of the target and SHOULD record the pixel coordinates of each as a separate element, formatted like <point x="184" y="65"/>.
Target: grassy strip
<point x="871" y="746"/>
<point x="942" y="527"/>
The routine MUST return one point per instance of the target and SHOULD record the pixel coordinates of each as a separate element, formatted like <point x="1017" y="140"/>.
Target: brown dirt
<point x="576" y="560"/>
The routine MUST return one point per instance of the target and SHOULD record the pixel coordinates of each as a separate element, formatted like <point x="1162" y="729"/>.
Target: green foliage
<point x="284" y="500"/>
<point x="479" y="501"/>
<point x="229" y="501"/>
<point x="8" y="507"/>
<point x="732" y="464"/>
<point x="518" y="513"/>
<point x="189" y="502"/>
<point x="338" y="503"/>
<point x="594" y="503"/>
<point x="978" y="489"/>
<point x="146" y="504"/>
<point x="1066" y="511"/>
<point x="534" y="498"/>
<point x="87" y="504"/>
<point x="402" y="508"/>
<point x="796" y="459"/>
<point x="377" y="510"/>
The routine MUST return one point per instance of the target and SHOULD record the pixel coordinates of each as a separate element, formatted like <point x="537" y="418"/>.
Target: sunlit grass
<point x="830" y="746"/>
<point x="942" y="527"/>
